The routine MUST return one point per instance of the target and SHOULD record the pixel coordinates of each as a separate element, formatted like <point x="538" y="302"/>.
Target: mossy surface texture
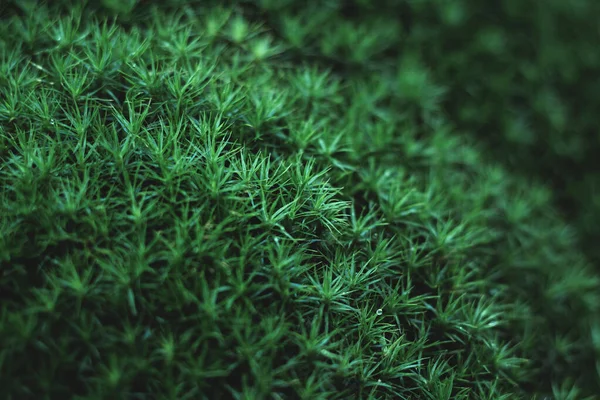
<point x="299" y="200"/>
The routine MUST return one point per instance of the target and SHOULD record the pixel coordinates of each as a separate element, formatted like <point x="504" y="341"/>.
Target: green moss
<point x="207" y="201"/>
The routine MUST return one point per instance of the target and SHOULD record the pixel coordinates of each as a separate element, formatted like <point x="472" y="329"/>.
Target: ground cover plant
<point x="521" y="76"/>
<point x="197" y="204"/>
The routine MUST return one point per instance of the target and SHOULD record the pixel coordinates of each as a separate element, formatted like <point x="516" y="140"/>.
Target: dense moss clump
<point x="284" y="200"/>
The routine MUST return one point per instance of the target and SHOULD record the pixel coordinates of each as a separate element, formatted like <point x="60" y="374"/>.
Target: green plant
<point x="188" y="212"/>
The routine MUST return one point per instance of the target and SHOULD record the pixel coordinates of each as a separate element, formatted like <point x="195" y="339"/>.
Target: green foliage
<point x="519" y="76"/>
<point x="271" y="200"/>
